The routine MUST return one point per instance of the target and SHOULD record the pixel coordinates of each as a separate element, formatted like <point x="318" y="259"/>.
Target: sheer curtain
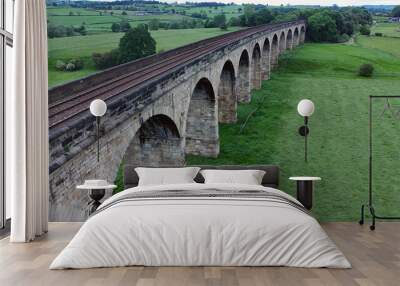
<point x="27" y="123"/>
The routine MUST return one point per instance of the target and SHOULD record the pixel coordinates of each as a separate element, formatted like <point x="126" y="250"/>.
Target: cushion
<point x="248" y="177"/>
<point x="166" y="176"/>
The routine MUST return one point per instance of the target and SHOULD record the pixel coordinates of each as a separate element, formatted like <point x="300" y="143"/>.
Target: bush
<point x="364" y="30"/>
<point x="378" y="34"/>
<point x="115" y="27"/>
<point x="343" y="38"/>
<point x="78" y="63"/>
<point x="71" y="65"/>
<point x="366" y="70"/>
<point x="58" y="31"/>
<point x="81" y="30"/>
<point x="105" y="60"/>
<point x="60" y="65"/>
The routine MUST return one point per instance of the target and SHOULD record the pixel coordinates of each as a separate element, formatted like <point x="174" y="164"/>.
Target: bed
<point x="199" y="224"/>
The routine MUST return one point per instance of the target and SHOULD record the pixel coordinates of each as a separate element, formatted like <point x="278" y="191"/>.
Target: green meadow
<point x="84" y="46"/>
<point x="338" y="142"/>
<point x="98" y="22"/>
<point x="387" y="29"/>
<point x="229" y="11"/>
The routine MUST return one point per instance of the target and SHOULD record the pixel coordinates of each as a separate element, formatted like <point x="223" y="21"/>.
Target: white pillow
<point x="166" y="176"/>
<point x="248" y="177"/>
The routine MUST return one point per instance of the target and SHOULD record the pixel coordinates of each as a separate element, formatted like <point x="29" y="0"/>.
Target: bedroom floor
<point x="375" y="257"/>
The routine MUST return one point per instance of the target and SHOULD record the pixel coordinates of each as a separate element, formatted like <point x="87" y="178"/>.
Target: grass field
<point x="338" y="143"/>
<point x="97" y="22"/>
<point x="83" y="47"/>
<point x="229" y="11"/>
<point x="387" y="29"/>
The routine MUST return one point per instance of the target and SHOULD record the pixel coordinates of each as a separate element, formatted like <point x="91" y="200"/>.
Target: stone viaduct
<point x="162" y="118"/>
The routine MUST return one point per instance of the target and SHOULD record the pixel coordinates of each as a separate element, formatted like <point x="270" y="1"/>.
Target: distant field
<point x="338" y="142"/>
<point x="229" y="11"/>
<point x="84" y="46"/>
<point x="383" y="45"/>
<point x="51" y="11"/>
<point x="387" y="29"/>
<point x="100" y="21"/>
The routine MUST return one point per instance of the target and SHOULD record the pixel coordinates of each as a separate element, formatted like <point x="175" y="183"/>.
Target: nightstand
<point x="96" y="190"/>
<point x="305" y="190"/>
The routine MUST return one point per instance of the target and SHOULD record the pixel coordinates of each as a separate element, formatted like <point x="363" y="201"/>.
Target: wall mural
<point x="219" y="90"/>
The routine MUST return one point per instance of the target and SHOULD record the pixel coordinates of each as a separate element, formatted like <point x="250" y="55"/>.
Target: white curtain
<point x="27" y="124"/>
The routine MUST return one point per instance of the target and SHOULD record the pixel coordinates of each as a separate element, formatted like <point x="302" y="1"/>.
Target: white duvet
<point x="200" y="231"/>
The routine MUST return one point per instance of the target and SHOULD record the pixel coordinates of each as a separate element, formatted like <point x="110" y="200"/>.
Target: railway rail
<point x="143" y="70"/>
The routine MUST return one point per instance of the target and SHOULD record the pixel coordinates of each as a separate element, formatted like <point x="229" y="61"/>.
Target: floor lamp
<point x="305" y="108"/>
<point x="98" y="108"/>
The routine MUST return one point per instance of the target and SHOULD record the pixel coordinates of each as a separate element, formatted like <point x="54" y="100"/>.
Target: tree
<point x="396" y="11"/>
<point x="364" y="30"/>
<point x="115" y="27"/>
<point x="253" y="17"/>
<point x="81" y="30"/>
<point x="124" y="13"/>
<point x="264" y="16"/>
<point x="154" y="24"/>
<point x="219" y="20"/>
<point x="234" y="21"/>
<point x="136" y="43"/>
<point x="69" y="31"/>
<point x="124" y="26"/>
<point x="247" y="19"/>
<point x="322" y="28"/>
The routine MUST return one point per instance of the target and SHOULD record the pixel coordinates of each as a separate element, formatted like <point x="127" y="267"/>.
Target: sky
<point x="304" y="2"/>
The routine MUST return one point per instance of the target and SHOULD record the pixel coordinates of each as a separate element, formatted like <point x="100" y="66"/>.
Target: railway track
<point x="148" y="68"/>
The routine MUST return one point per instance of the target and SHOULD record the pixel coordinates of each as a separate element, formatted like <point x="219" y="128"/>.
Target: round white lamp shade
<point x="98" y="107"/>
<point x="305" y="107"/>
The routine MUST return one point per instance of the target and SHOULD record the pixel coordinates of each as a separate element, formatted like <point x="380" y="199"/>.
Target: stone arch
<point x="227" y="101"/>
<point x="296" y="37"/>
<point x="289" y="40"/>
<point x="244" y="77"/>
<point x="302" y="34"/>
<point x="266" y="59"/>
<point x="282" y="44"/>
<point x="274" y="51"/>
<point x="201" y="136"/>
<point x="256" y="67"/>
<point x="156" y="143"/>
